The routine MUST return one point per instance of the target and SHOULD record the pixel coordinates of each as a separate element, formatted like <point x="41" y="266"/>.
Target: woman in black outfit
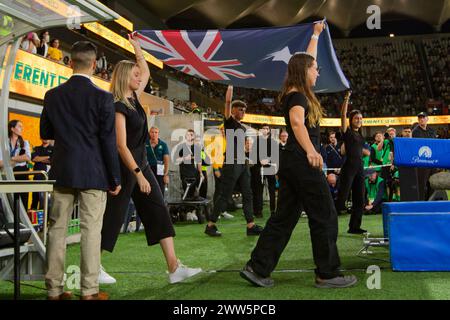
<point x="352" y="173"/>
<point x="138" y="182"/>
<point x="302" y="182"/>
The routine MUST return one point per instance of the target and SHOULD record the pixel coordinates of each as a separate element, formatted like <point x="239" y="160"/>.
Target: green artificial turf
<point x="140" y="270"/>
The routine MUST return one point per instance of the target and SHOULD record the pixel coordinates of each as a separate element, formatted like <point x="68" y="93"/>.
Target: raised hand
<point x="319" y="27"/>
<point x="132" y="37"/>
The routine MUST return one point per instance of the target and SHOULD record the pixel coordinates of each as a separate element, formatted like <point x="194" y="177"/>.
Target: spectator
<point x="264" y="143"/>
<point x="30" y="43"/>
<point x="102" y="63"/>
<point x="334" y="158"/>
<point x="283" y="138"/>
<point x="406" y="132"/>
<point x="189" y="159"/>
<point x="54" y="53"/>
<point x="66" y="60"/>
<point x="41" y="157"/>
<point x="375" y="192"/>
<point x="332" y="184"/>
<point x="206" y="162"/>
<point x="42" y="49"/>
<point x="158" y="158"/>
<point x="20" y="153"/>
<point x="423" y="174"/>
<point x="422" y="130"/>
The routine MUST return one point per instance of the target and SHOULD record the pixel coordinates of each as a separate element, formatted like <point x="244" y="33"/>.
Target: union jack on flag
<point x="196" y="61"/>
<point x="252" y="58"/>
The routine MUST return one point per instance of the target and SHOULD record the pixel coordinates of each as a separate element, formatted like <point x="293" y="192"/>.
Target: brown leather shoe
<point x="97" y="296"/>
<point x="67" y="295"/>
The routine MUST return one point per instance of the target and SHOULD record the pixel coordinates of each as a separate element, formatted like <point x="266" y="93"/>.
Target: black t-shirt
<point x="354" y="143"/>
<point x="189" y="169"/>
<point x="137" y="130"/>
<point x="297" y="99"/>
<point x="41" y="151"/>
<point x="232" y="124"/>
<point x="418" y="132"/>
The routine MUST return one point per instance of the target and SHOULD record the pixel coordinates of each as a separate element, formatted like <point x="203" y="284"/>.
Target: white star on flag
<point x="282" y="55"/>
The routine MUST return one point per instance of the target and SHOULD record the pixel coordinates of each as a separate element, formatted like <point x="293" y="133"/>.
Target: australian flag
<point x="251" y="58"/>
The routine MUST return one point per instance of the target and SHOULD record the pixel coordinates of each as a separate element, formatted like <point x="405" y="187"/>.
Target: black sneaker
<point x="212" y="231"/>
<point x="255" y="230"/>
<point x="356" y="231"/>
<point x="250" y="275"/>
<point x="337" y="282"/>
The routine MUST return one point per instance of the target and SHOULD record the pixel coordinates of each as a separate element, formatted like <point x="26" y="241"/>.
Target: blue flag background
<point x="263" y="54"/>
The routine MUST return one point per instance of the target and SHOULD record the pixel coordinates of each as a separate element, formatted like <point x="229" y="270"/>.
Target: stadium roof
<point x="343" y="14"/>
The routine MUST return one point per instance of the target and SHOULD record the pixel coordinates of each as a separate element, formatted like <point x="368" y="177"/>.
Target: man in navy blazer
<point x="80" y="117"/>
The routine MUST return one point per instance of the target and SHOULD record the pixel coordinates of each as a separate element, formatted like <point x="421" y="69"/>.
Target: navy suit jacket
<point x="80" y="117"/>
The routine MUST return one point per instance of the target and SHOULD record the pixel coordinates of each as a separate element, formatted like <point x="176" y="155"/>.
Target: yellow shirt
<point x="55" y="54"/>
<point x="215" y="150"/>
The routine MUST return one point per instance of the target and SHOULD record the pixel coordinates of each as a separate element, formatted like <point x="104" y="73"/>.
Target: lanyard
<point x="12" y="152"/>
<point x="153" y="151"/>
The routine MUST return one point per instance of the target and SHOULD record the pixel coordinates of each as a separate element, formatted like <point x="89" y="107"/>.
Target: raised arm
<point x="312" y="47"/>
<point x="228" y="98"/>
<point x="142" y="63"/>
<point x="344" y="111"/>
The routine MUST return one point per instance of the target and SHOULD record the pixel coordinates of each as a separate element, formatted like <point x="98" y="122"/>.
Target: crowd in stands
<point x="438" y="59"/>
<point x="51" y="49"/>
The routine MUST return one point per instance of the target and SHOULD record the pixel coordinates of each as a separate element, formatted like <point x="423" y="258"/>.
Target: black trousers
<point x="300" y="186"/>
<point x="233" y="174"/>
<point x="204" y="187"/>
<point x="217" y="186"/>
<point x="352" y="178"/>
<point x="423" y="186"/>
<point x="258" y="189"/>
<point x="160" y="179"/>
<point x="150" y="208"/>
<point x="23" y="196"/>
<point x="38" y="197"/>
<point x="387" y="176"/>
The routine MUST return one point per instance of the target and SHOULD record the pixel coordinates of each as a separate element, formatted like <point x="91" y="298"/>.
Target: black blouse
<point x="354" y="143"/>
<point x="297" y="99"/>
<point x="136" y="128"/>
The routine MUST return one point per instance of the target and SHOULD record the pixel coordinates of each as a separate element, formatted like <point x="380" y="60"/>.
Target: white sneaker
<point x="104" y="278"/>
<point x="227" y="216"/>
<point x="182" y="273"/>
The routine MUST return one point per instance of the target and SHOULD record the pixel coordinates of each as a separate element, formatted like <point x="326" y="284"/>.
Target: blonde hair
<point x="120" y="81"/>
<point x="296" y="77"/>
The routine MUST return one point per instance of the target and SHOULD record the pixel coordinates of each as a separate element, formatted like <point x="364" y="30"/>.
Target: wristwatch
<point x="137" y="170"/>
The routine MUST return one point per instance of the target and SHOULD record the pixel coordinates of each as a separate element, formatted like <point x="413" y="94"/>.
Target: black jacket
<point x="80" y="117"/>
